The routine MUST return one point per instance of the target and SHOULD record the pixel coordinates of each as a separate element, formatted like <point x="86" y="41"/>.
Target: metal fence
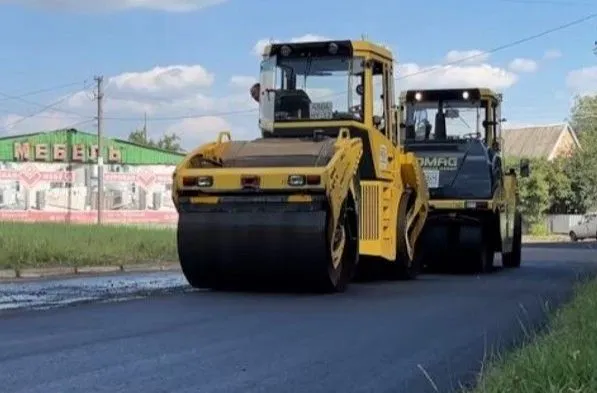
<point x="561" y="223"/>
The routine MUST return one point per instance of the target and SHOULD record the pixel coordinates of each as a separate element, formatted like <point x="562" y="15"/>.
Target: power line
<point x="508" y="45"/>
<point x="39" y="91"/>
<point x="406" y="76"/>
<point x="550" y="2"/>
<point x="50" y="106"/>
<point x="9" y="97"/>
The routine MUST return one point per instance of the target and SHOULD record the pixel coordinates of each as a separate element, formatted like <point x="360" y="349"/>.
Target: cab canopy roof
<point x="325" y="48"/>
<point x="449" y="94"/>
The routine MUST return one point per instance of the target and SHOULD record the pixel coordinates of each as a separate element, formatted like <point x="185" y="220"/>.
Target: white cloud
<point x="413" y="76"/>
<point x="262" y="43"/>
<point x="473" y="56"/>
<point x="166" y="94"/>
<point x="464" y="68"/>
<point x="199" y="130"/>
<point x="552" y="54"/>
<point x="163" y="79"/>
<point x="13" y="124"/>
<point x="117" y="5"/>
<point x="181" y="98"/>
<point x="583" y="81"/>
<point x="243" y="81"/>
<point x="523" y="65"/>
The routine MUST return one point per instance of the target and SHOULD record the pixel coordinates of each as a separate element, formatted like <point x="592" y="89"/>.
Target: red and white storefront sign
<point x="144" y="178"/>
<point x="108" y="216"/>
<point x="30" y="176"/>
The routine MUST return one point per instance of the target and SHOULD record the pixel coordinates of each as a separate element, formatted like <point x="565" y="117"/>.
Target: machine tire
<point x="487" y="257"/>
<point x="339" y="275"/>
<point x="404" y="268"/>
<point x="514" y="258"/>
<point x="573" y="236"/>
<point x="480" y="259"/>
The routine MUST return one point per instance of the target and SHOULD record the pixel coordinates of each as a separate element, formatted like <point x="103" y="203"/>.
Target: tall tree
<point x="534" y="194"/>
<point x="583" y="115"/>
<point x="582" y="167"/>
<point x="170" y="142"/>
<point x="138" y="137"/>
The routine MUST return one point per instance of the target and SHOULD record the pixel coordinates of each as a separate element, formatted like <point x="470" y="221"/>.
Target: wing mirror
<point x="525" y="169"/>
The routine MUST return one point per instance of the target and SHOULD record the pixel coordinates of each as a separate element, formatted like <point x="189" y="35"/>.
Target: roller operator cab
<point x="324" y="185"/>
<point x="456" y="135"/>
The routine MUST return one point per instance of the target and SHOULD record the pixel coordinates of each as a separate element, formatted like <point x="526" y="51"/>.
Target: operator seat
<point x="295" y="102"/>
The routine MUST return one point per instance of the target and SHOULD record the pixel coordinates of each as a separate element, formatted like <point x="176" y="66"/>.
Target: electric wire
<point x="43" y="109"/>
<point x="502" y="47"/>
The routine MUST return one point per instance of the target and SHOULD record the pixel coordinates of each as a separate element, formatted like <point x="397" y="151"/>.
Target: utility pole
<point x="100" y="156"/>
<point x="145" y="127"/>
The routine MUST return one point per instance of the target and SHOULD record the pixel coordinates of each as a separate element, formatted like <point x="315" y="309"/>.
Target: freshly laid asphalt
<point x="421" y="336"/>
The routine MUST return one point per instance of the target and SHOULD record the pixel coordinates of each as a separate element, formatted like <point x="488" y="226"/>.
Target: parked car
<point x="585" y="229"/>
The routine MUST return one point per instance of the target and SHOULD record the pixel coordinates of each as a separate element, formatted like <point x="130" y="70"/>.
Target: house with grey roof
<point x="546" y="141"/>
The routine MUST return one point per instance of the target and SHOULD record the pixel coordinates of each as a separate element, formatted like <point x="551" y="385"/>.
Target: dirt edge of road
<point x="11" y="275"/>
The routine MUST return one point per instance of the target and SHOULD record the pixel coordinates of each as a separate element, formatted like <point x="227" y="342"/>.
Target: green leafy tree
<point x="170" y="142"/>
<point x="138" y="137"/>
<point x="534" y="194"/>
<point x="581" y="168"/>
<point x="583" y="114"/>
<point x="559" y="184"/>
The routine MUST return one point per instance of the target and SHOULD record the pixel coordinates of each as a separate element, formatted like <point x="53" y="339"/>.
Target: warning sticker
<point x="321" y="110"/>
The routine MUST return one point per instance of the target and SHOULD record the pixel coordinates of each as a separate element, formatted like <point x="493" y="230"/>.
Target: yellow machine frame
<point x="504" y="201"/>
<point x="395" y="180"/>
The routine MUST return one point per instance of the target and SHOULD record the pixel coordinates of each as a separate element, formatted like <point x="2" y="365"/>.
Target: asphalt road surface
<point x="379" y="337"/>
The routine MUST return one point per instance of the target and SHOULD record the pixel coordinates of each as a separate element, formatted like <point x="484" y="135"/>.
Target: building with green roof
<point x="69" y="139"/>
<point x="53" y="176"/>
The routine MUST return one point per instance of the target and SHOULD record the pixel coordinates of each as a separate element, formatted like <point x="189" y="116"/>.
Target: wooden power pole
<point x="100" y="157"/>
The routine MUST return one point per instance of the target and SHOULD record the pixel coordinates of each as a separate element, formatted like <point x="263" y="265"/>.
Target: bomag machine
<point x="474" y="206"/>
<point x="324" y="186"/>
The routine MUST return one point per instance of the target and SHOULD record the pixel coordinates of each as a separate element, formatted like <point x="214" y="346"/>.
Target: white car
<point x="585" y="229"/>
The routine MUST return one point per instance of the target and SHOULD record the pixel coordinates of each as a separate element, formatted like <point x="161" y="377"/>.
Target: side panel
<point x="383" y="153"/>
<point x="379" y="207"/>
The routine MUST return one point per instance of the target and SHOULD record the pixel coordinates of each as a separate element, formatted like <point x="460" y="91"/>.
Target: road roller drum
<point x="325" y="189"/>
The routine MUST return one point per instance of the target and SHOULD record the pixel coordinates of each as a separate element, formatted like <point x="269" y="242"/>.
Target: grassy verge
<point x="544" y="238"/>
<point x="562" y="360"/>
<point x="51" y="244"/>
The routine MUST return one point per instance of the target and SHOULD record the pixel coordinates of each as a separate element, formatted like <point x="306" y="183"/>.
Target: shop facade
<point x="53" y="176"/>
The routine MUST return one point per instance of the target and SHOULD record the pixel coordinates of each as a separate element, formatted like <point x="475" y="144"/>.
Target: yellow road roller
<point x="474" y="206"/>
<point x="325" y="184"/>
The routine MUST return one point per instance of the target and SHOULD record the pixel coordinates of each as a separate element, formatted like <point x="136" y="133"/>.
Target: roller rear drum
<point x="252" y="245"/>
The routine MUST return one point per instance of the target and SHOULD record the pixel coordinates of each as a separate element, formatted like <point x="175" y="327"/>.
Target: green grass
<point x="561" y="360"/>
<point x="25" y="245"/>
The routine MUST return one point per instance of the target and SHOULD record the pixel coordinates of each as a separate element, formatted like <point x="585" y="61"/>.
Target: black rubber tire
<point x="404" y="268"/>
<point x="338" y="278"/>
<point x="479" y="260"/>
<point x="573" y="236"/>
<point x="513" y="259"/>
<point x="487" y="257"/>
